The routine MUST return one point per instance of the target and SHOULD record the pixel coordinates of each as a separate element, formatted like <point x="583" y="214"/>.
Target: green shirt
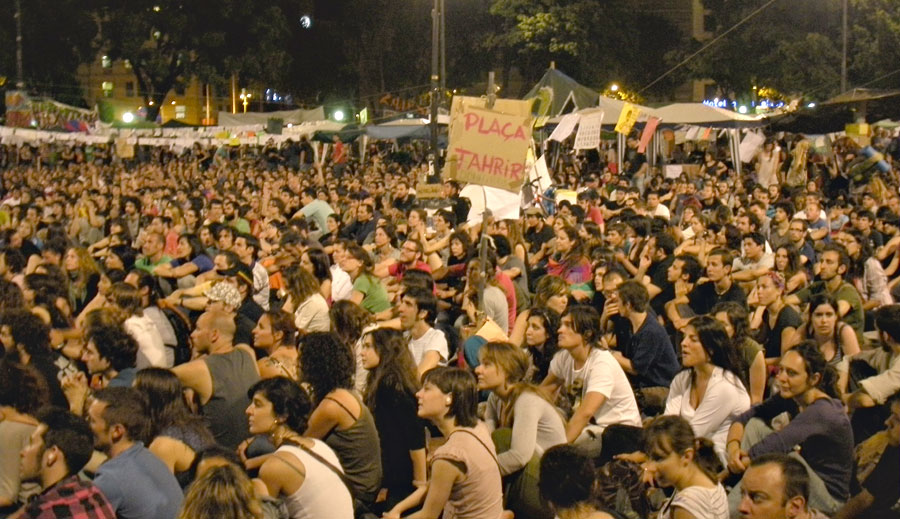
<point x="375" y="298"/>
<point x="144" y="263"/>
<point x="855" y="317"/>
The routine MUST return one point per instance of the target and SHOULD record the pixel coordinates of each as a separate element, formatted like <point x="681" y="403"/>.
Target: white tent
<point x="699" y="114"/>
<point x="288" y="116"/>
<point x="611" y="109"/>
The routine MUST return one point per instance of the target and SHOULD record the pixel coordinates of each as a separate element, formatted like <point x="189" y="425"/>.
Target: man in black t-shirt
<point x="705" y="296"/>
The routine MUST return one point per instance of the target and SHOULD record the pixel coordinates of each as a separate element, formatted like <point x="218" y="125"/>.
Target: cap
<point x="241" y="272"/>
<point x="225" y="292"/>
<point x="534" y="211"/>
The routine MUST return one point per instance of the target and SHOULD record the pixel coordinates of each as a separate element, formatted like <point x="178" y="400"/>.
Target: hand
<point x="620" y="256"/>
<point x="391" y="514"/>
<point x="738" y="460"/>
<point x="242" y="450"/>
<point x="645" y="262"/>
<point x="648" y="474"/>
<point x="753" y="298"/>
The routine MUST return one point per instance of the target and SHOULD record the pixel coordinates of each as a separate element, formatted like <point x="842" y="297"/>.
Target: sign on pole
<point x="565" y="127"/>
<point x="627" y="118"/>
<point x="488" y="147"/>
<point x="589" y="129"/>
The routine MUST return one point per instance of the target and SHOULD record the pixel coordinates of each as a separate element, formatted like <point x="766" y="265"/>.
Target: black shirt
<point x="651" y="354"/>
<point x="537" y="238"/>
<point x="704" y="297"/>
<point x="659" y="277"/>
<point x="884" y="484"/>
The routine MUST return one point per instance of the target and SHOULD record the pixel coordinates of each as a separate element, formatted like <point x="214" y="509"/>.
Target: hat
<point x="240" y="271"/>
<point x="225" y="292"/>
<point x="534" y="211"/>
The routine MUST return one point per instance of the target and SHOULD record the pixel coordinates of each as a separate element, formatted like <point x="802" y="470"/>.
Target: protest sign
<point x="565" y="127"/>
<point x="488" y="147"/>
<point x="750" y="146"/>
<point x="588" y="136"/>
<point x="627" y="118"/>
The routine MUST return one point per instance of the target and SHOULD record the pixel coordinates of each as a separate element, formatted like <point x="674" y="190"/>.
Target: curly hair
<point x="22" y="387"/>
<point x="289" y="401"/>
<point x="326" y="364"/>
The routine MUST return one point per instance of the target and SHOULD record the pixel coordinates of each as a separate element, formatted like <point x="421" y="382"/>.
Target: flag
<point x="649" y="130"/>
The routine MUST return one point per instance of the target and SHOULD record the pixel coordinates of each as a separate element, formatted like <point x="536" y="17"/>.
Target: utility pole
<point x="20" y="75"/>
<point x="435" y="80"/>
<point x="844" y="48"/>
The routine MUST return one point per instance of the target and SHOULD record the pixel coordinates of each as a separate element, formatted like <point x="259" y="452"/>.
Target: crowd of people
<point x="269" y="333"/>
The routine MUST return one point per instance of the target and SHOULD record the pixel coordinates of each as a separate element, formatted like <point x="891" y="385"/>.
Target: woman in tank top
<point x="340" y="418"/>
<point x="305" y="472"/>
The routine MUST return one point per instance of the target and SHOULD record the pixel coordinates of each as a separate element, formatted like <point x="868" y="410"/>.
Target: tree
<point x="56" y="36"/>
<point x="168" y="42"/>
<point x="874" y="44"/>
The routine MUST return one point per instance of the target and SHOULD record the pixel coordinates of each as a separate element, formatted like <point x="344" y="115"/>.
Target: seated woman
<point x="787" y="263"/>
<point x="305" y="301"/>
<point x="551" y="292"/>
<point x="774" y="322"/>
<point x="540" y="340"/>
<point x="834" y="338"/>
<point x="222" y="492"/>
<point x="524" y="422"/>
<point x="316" y="262"/>
<point x="190" y="260"/>
<point x="680" y="459"/>
<point x="752" y="367"/>
<point x="368" y="291"/>
<point x="304" y="471"/>
<point x="340" y="418"/>
<point x="177" y="435"/>
<point x="390" y="394"/>
<point x="570" y="264"/>
<point x="276" y="335"/>
<point x="818" y="426"/>
<point x="709" y="393"/>
<point x="465" y="475"/>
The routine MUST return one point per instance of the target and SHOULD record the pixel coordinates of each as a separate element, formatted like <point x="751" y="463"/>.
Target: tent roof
<point x="833" y="115"/>
<point x="611" y="109"/>
<point x="704" y="115"/>
<point x="288" y="116"/>
<point x="564" y="93"/>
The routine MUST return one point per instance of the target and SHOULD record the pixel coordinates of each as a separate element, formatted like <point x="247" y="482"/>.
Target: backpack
<point x="182" y="327"/>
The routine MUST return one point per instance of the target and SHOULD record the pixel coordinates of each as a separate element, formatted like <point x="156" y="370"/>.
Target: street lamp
<point x="245" y="98"/>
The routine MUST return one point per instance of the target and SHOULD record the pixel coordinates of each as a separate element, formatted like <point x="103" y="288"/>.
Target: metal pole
<point x="443" y="50"/>
<point x="844" y="49"/>
<point x="482" y="244"/>
<point x="435" y="79"/>
<point x="20" y="75"/>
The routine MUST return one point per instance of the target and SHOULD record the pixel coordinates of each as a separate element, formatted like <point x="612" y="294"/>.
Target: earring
<point x="448" y="401"/>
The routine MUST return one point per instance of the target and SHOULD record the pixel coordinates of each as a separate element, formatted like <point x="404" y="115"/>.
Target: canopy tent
<point x="405" y="128"/>
<point x="288" y="116"/>
<point x="699" y="114"/>
<point x="560" y="94"/>
<point x="833" y="115"/>
<point x="611" y="109"/>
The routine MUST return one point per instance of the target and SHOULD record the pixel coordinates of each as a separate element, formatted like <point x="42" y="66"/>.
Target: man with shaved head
<point x="220" y="375"/>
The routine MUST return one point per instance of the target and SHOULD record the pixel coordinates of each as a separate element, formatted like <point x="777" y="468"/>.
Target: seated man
<point x="775" y="486"/>
<point x="59" y="448"/>
<point x="136" y="482"/>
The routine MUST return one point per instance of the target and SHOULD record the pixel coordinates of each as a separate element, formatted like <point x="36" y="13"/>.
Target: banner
<point x="627" y="118"/>
<point x="750" y="146"/>
<point x="589" y="129"/>
<point x="488" y="147"/>
<point x="649" y="130"/>
<point x="565" y="127"/>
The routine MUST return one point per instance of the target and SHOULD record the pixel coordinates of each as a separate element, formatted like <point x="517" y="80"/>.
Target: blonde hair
<point x="223" y="492"/>
<point x="516" y="364"/>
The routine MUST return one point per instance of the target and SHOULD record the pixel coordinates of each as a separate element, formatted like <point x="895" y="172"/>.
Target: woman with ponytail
<point x="818" y="427"/>
<point x="677" y="458"/>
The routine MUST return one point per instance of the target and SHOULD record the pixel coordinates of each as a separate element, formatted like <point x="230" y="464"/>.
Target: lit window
<point x="127" y="64"/>
<point x="180" y="111"/>
<point x="107" y="88"/>
<point x="106" y="62"/>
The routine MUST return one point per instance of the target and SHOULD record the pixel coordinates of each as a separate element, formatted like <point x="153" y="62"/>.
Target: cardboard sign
<point x="627" y="118"/>
<point x="428" y="190"/>
<point x="488" y="147"/>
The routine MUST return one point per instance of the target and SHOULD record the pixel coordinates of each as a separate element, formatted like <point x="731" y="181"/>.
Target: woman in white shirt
<point x="709" y="392"/>
<point x="305" y="301"/>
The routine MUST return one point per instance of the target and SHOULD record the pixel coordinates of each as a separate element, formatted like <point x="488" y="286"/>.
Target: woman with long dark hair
<point x="340" y="418"/>
<point x="276" y="335"/>
<point x="824" y="327"/>
<point x="787" y="263"/>
<point x="316" y="262"/>
<point x="710" y="392"/>
<point x="818" y="425"/>
<point x="176" y="435"/>
<point x="390" y="394"/>
<point x="540" y="340"/>
<point x="734" y="318"/>
<point x="570" y="263"/>
<point x="348" y="322"/>
<point x="190" y="260"/>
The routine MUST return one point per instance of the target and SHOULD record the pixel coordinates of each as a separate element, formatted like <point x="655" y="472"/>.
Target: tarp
<point x="560" y="94"/>
<point x="833" y="115"/>
<point x="699" y="114"/>
<point x="405" y="129"/>
<point x="288" y="116"/>
<point x="612" y="109"/>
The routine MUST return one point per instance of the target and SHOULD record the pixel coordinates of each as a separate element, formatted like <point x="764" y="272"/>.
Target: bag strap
<point x="325" y="462"/>
<point x="481" y="442"/>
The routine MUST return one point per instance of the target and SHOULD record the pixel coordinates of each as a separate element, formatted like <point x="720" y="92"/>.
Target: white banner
<point x="750" y="146"/>
<point x="588" y="136"/>
<point x="565" y="127"/>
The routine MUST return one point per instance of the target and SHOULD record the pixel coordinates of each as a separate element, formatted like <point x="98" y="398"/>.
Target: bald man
<point x="220" y="375"/>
